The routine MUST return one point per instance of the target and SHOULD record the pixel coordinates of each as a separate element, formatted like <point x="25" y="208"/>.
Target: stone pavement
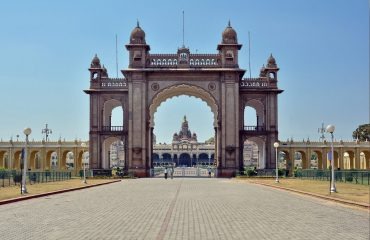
<point x="182" y="208"/>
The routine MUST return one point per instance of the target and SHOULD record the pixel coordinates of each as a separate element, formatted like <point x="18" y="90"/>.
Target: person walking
<point x="171" y="172"/>
<point x="165" y="173"/>
<point x="209" y="172"/>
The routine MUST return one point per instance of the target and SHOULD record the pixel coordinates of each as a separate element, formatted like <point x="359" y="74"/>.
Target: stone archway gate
<point x="150" y="79"/>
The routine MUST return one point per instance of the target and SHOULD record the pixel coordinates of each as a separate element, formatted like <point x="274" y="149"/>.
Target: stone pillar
<point x="357" y="158"/>
<point x="10" y="158"/>
<point x="325" y="158"/>
<point x="138" y="132"/>
<point x="43" y="159"/>
<point x="351" y="157"/>
<point x="95" y="146"/>
<point x="308" y="158"/>
<point x="320" y="160"/>
<point x="229" y="125"/>
<point x="271" y="107"/>
<point x="341" y="163"/>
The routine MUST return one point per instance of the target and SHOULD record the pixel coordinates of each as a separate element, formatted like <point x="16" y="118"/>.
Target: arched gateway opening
<point x="183" y="126"/>
<point x="150" y="79"/>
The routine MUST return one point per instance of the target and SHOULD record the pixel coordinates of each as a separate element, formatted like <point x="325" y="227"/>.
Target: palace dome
<point x="229" y="35"/>
<point x="95" y="62"/>
<point x="137" y="35"/>
<point x="271" y="62"/>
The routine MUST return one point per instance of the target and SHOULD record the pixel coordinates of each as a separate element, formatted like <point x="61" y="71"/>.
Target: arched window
<point x="164" y="62"/>
<point x="169" y="62"/>
<point x="94" y="75"/>
<point x="197" y="62"/>
<point x="191" y="61"/>
<point x="117" y="116"/>
<point x="158" y="61"/>
<point x="250" y="117"/>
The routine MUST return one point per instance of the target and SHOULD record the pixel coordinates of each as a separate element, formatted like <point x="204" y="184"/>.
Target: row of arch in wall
<point x="317" y="160"/>
<point x="52" y="162"/>
<point x="173" y="62"/>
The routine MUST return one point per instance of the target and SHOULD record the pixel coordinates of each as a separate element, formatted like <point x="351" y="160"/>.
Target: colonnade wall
<point x="347" y="155"/>
<point x="39" y="155"/>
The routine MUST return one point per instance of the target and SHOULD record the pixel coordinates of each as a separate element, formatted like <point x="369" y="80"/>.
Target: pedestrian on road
<point x="171" y="172"/>
<point x="209" y="172"/>
<point x="165" y="173"/>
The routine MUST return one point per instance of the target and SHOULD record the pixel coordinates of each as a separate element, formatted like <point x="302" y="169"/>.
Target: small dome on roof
<point x="229" y="35"/>
<point x="271" y="62"/>
<point x="104" y="72"/>
<point x="262" y="71"/>
<point x="137" y="35"/>
<point x="95" y="62"/>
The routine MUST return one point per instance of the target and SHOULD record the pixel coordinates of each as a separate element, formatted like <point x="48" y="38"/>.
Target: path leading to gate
<point x="187" y="208"/>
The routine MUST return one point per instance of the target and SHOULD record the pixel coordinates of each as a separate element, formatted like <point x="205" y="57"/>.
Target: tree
<point x="362" y="133"/>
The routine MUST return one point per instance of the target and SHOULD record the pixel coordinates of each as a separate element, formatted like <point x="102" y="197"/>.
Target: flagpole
<point x="116" y="58"/>
<point x="249" y="54"/>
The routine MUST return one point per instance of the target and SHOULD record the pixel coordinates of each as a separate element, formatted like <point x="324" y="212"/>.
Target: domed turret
<point x="95" y="63"/>
<point x="104" y="72"/>
<point x="175" y="137"/>
<point x="271" y="62"/>
<point x="185" y="124"/>
<point x="137" y="35"/>
<point x="263" y="71"/>
<point x="229" y="35"/>
<point x="194" y="137"/>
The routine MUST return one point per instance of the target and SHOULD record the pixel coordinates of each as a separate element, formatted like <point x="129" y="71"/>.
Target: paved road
<point x="181" y="209"/>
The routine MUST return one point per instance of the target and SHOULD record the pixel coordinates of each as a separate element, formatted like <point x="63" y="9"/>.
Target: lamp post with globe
<point x="276" y="145"/>
<point x="26" y="131"/>
<point x="330" y="129"/>
<point x="83" y="145"/>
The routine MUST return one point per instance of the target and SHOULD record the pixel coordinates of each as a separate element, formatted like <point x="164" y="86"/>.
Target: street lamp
<point x="330" y="129"/>
<point x="26" y="131"/>
<point x="83" y="145"/>
<point x="276" y="145"/>
<point x="46" y="131"/>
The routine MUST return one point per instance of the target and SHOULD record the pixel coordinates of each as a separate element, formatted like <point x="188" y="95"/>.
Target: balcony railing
<point x="113" y="128"/>
<point x="254" y="128"/>
<point x="254" y="83"/>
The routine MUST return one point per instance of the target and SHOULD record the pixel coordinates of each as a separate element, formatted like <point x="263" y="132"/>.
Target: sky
<point x="321" y="47"/>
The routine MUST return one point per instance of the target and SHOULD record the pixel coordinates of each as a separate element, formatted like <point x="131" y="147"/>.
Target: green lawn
<point x="347" y="191"/>
<point x="14" y="191"/>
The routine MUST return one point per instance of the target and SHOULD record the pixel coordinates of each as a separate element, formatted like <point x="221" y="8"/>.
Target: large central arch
<point x="183" y="89"/>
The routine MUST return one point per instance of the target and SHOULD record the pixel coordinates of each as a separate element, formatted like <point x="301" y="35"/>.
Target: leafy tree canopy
<point x="362" y="133"/>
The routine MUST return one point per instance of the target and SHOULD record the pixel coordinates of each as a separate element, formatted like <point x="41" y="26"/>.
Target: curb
<point x="18" y="199"/>
<point x="347" y="202"/>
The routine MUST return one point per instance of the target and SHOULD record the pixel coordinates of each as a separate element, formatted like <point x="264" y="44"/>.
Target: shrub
<point x="349" y="178"/>
<point x="251" y="172"/>
<point x="281" y="172"/>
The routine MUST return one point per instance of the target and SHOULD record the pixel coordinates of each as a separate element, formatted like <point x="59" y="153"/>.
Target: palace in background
<point x="185" y="150"/>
